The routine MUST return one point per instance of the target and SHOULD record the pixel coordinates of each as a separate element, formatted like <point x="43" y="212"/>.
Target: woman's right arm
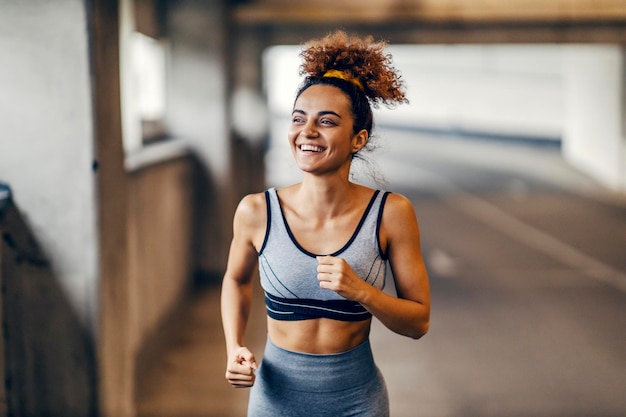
<point x="248" y="233"/>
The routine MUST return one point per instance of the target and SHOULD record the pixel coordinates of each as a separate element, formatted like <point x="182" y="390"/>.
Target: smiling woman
<point x="322" y="247"/>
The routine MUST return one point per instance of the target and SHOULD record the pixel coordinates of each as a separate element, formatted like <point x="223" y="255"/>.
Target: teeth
<point x="311" y="148"/>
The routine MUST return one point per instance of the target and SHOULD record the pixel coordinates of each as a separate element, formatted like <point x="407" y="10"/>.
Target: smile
<point x="311" y="148"/>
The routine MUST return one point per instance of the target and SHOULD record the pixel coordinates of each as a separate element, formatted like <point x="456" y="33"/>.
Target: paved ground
<point x="528" y="274"/>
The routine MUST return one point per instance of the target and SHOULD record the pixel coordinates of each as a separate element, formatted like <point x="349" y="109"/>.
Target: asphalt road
<point x="527" y="262"/>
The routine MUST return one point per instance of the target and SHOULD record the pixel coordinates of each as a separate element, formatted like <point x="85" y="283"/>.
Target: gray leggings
<point x="292" y="384"/>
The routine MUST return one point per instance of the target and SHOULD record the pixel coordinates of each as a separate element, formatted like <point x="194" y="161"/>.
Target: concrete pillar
<point x="594" y="137"/>
<point x="248" y="111"/>
<point x="197" y="112"/>
<point x="116" y="364"/>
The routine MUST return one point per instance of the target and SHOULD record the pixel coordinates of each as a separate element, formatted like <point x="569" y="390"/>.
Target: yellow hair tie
<point x="339" y="74"/>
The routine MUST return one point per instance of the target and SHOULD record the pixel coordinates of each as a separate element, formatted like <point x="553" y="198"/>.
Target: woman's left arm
<point x="409" y="313"/>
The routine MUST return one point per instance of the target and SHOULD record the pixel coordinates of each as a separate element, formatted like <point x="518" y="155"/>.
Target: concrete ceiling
<point x="445" y="21"/>
<point x="440" y="11"/>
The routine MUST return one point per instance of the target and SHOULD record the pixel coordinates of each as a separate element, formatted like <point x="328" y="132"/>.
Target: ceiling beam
<point x="431" y="11"/>
<point x="441" y="21"/>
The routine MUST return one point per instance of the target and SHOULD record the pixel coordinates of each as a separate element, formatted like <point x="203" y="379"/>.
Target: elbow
<point x="420" y="330"/>
<point x="419" y="333"/>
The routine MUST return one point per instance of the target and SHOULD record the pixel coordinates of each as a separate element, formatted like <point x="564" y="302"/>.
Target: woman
<point x="322" y="248"/>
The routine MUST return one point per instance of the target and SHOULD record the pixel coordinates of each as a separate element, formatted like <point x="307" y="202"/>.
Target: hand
<point x="240" y="368"/>
<point x="337" y="275"/>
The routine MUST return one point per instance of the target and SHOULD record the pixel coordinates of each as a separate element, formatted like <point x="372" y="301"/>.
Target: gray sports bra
<point x="289" y="272"/>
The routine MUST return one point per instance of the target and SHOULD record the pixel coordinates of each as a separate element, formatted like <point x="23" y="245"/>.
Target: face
<point x="321" y="132"/>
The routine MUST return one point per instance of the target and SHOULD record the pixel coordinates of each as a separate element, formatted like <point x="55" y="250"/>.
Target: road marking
<point x="499" y="219"/>
<point x="537" y="239"/>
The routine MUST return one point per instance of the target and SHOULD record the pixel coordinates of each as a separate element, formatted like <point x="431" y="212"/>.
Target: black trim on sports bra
<point x="344" y="247"/>
<point x="269" y="221"/>
<point x="383" y="255"/>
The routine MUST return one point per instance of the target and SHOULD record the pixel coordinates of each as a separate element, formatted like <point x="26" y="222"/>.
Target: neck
<point x="325" y="196"/>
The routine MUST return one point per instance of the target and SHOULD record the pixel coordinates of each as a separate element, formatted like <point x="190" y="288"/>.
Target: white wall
<point x="594" y="137"/>
<point x="499" y="89"/>
<point x="46" y="138"/>
<point x="508" y="90"/>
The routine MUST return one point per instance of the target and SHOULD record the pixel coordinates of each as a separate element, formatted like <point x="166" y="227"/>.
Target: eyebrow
<point x="321" y="113"/>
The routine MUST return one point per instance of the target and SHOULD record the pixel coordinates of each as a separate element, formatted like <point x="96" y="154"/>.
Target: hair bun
<point x="361" y="61"/>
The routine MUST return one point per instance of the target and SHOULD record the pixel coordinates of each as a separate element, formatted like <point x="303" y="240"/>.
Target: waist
<point x="318" y="336"/>
<point x="319" y="372"/>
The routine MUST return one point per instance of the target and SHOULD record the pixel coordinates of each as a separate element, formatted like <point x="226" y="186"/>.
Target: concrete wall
<point x="595" y="131"/>
<point x="161" y="207"/>
<point x="49" y="239"/>
<point x="46" y="145"/>
<point x="49" y="357"/>
<point x="161" y="233"/>
<point x="100" y="256"/>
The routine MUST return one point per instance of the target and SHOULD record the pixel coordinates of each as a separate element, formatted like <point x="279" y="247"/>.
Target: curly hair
<point x="360" y="59"/>
<point x="360" y="68"/>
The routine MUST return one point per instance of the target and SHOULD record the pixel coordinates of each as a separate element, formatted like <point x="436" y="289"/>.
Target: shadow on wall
<point x="48" y="356"/>
<point x="175" y="214"/>
<point x="210" y="232"/>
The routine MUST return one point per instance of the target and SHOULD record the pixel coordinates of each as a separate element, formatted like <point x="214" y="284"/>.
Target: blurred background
<point x="132" y="128"/>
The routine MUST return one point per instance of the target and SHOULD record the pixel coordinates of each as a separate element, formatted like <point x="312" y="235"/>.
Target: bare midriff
<point x="318" y="336"/>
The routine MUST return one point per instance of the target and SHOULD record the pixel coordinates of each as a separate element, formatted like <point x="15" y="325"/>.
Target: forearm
<point x="408" y="314"/>
<point x="406" y="317"/>
<point x="236" y="299"/>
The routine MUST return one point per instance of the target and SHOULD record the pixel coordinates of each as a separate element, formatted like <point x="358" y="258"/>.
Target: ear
<point x="359" y="141"/>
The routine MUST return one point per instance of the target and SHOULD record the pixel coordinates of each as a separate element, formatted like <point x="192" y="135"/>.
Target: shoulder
<point x="251" y="212"/>
<point x="252" y="203"/>
<point x="398" y="219"/>
<point x="397" y="205"/>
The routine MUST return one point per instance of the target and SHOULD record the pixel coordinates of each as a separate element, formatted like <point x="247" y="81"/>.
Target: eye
<point x="328" y="122"/>
<point x="297" y="119"/>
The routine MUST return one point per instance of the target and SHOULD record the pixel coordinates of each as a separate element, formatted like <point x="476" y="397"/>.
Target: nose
<point x="310" y="129"/>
